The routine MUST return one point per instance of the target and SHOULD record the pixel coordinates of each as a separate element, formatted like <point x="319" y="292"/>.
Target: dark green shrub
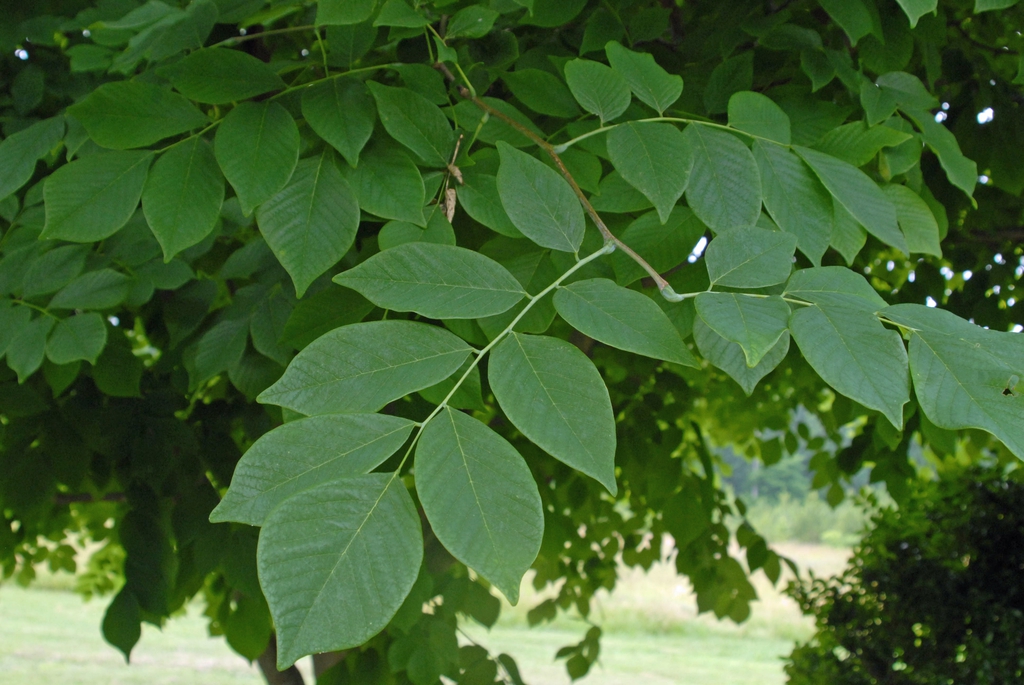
<point x="933" y="594"/>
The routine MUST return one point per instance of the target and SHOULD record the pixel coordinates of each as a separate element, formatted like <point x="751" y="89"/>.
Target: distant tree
<point x="931" y="595"/>
<point x="327" y="312"/>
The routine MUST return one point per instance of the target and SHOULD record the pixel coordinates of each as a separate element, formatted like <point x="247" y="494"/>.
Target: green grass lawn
<point x="652" y="636"/>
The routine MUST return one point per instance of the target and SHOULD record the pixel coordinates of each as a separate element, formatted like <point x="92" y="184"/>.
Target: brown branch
<point x="268" y="665"/>
<point x="326" y="661"/>
<point x="609" y="237"/>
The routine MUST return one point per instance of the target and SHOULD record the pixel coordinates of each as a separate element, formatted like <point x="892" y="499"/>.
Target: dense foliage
<point x="932" y="594"/>
<point x="342" y="314"/>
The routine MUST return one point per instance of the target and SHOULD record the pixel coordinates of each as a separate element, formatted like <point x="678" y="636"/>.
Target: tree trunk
<point x="268" y="664"/>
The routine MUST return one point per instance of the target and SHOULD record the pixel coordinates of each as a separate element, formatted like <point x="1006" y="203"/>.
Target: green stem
<point x="186" y="138"/>
<point x="341" y="74"/>
<point x="562" y="147"/>
<point x="901" y="326"/>
<point x="608" y="248"/>
<point x="323" y="51"/>
<point x="42" y="310"/>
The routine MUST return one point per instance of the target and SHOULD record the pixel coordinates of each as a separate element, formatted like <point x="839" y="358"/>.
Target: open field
<point x="652" y="635"/>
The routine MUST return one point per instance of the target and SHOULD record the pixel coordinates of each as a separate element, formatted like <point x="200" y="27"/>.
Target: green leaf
<point x="480" y="498"/>
<point x="183" y="196"/>
<point x="344" y="12"/>
<point x="437" y="281"/>
<point x="795" y="198"/>
<point x="654" y="86"/>
<point x="878" y="104"/>
<point x="908" y="91"/>
<point x="818" y="67"/>
<point x="617" y="196"/>
<point x="54" y="270"/>
<point x="855" y="17"/>
<point x="542" y="91"/>
<point x="663" y="246"/>
<point x="539" y="201"/>
<point x="622" y="318"/>
<point x="478" y="196"/>
<point x="399" y="13"/>
<point x="389" y="185"/>
<point x="364" y="366"/>
<point x="323" y="312"/>
<point x="858" y="194"/>
<point x="916" y="220"/>
<point x="848" y="236"/>
<point x="438" y="231"/>
<point x="220" y="349"/>
<point x="474" y="21"/>
<point x="602" y="26"/>
<point x="13" y="319"/>
<point x="347" y="548"/>
<point x="548" y="14"/>
<point x="729" y="356"/>
<point x="416" y="122"/>
<point x="27" y="347"/>
<point x="598" y="89"/>
<point x="101" y="289"/>
<point x="312" y="222"/>
<point x="218" y="76"/>
<point x="834" y="286"/>
<point x="857" y="144"/>
<point x="852" y="352"/>
<point x="731" y="76"/>
<point x="305" y="453"/>
<point x="964" y="374"/>
<point x="118" y="372"/>
<point x="19" y="152"/>
<point x="961" y="171"/>
<point x="915" y="9"/>
<point x="257" y="147"/>
<point x="750" y="258"/>
<point x="342" y="112"/>
<point x="725" y="187"/>
<point x="75" y="338"/>
<point x="266" y="327"/>
<point x="756" y="324"/>
<point x="92" y="197"/>
<point x="759" y="115"/>
<point x="127" y="114"/>
<point x="655" y="159"/>
<point x="988" y="5"/>
<point x="122" y="622"/>
<point x="554" y="395"/>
